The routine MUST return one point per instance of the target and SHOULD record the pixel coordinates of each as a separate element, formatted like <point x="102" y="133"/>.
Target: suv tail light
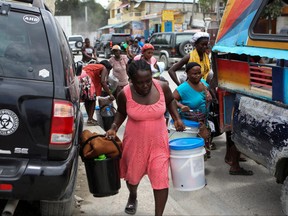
<point x="6" y="187"/>
<point x="173" y="52"/>
<point x="111" y="44"/>
<point x="62" y="125"/>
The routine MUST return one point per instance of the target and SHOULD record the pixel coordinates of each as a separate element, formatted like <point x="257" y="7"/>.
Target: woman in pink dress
<point x="119" y="64"/>
<point x="145" y="142"/>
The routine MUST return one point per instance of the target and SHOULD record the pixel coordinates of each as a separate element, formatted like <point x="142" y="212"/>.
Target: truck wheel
<point x="79" y="44"/>
<point x="284" y="196"/>
<point x="64" y="206"/>
<point x="107" y="53"/>
<point x="185" y="48"/>
<point x="164" y="59"/>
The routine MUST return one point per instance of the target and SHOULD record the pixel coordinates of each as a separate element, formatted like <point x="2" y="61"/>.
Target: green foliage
<point x="272" y="10"/>
<point x="97" y="16"/>
<point x="205" y="5"/>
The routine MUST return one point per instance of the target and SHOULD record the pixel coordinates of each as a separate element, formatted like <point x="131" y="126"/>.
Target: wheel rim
<point x="188" y="48"/>
<point x="79" y="44"/>
<point x="163" y="59"/>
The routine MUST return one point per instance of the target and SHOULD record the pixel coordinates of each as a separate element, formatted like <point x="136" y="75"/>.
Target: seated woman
<point x="193" y="98"/>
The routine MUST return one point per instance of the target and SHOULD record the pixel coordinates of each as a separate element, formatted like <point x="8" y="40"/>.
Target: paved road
<point x="224" y="194"/>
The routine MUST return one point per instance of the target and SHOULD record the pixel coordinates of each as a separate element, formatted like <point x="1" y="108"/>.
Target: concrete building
<point x="143" y="17"/>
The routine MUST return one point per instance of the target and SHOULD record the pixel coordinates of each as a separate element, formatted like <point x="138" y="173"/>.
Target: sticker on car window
<point x="9" y="122"/>
<point x="31" y="19"/>
<point x="44" y="73"/>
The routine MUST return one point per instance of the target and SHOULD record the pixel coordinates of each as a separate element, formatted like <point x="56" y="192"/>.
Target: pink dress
<point x="145" y="143"/>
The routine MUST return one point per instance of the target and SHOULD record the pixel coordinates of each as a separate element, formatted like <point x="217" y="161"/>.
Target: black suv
<point x="40" y="121"/>
<point x="106" y="41"/>
<point x="170" y="47"/>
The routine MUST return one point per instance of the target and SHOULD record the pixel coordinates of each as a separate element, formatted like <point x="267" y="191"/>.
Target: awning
<point x="252" y="51"/>
<point x="123" y="5"/>
<point x="106" y="27"/>
<point x="120" y="25"/>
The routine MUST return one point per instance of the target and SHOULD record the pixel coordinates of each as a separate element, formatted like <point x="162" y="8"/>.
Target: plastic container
<point x="98" y="116"/>
<point x="107" y="115"/>
<point x="187" y="163"/>
<point x="103" y="176"/>
<point x="191" y="129"/>
<point x="100" y="157"/>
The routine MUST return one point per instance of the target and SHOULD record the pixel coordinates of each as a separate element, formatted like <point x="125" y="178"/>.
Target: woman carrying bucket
<point x="145" y="144"/>
<point x="193" y="98"/>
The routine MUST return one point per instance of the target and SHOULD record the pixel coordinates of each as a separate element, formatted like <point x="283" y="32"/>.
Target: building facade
<point x="143" y="17"/>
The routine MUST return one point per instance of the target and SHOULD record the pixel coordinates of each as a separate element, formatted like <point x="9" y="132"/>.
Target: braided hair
<point x="138" y="65"/>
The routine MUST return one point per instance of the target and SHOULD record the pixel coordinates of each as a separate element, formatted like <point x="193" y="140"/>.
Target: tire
<point x="78" y="44"/>
<point x="284" y="197"/>
<point x="164" y="59"/>
<point x="64" y="206"/>
<point x="185" y="48"/>
<point x="106" y="53"/>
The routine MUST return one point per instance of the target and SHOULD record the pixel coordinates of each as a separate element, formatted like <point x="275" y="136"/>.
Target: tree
<point x="205" y="6"/>
<point x="97" y="16"/>
<point x="271" y="12"/>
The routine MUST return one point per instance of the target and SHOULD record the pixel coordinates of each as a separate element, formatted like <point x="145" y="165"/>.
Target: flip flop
<point x="241" y="172"/>
<point x="212" y="146"/>
<point x="92" y="122"/>
<point x="131" y="208"/>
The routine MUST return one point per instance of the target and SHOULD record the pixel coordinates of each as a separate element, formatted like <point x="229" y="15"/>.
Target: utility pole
<point x="192" y="15"/>
<point x="217" y="11"/>
<point x="86" y="15"/>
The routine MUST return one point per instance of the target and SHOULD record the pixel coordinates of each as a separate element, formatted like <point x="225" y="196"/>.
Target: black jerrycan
<point x="107" y="113"/>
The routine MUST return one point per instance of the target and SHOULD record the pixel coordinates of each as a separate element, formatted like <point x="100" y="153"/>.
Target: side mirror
<point x="78" y="68"/>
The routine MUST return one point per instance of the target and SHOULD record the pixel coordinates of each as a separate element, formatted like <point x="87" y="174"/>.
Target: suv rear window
<point x="75" y="39"/>
<point x="24" y="51"/>
<point x="119" y="38"/>
<point x="161" y="39"/>
<point x="183" y="37"/>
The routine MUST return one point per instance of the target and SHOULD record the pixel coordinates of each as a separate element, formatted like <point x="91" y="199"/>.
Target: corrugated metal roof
<point x="106" y="26"/>
<point x="120" y="25"/>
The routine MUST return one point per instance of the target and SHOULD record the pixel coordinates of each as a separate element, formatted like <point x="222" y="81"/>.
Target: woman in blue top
<point x="193" y="97"/>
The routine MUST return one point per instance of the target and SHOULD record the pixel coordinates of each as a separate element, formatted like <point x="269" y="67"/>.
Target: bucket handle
<point x="99" y="135"/>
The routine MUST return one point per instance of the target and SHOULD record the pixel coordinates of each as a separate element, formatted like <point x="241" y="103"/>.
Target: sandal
<point x="241" y="171"/>
<point x="92" y="122"/>
<point x="212" y="146"/>
<point x="131" y="207"/>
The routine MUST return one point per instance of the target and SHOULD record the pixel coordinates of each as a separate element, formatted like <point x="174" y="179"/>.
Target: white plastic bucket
<point x="187" y="163"/>
<point x="191" y="129"/>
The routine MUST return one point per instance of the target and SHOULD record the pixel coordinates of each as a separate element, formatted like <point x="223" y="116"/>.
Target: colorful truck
<point x="250" y="63"/>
